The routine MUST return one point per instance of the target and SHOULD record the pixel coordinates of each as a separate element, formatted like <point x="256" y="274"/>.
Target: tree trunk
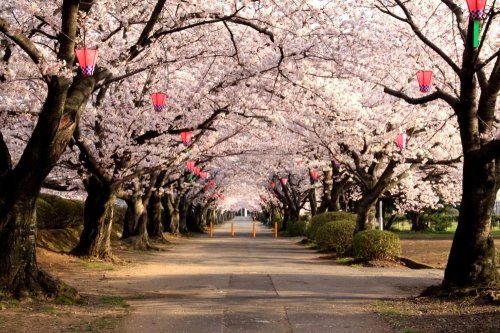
<point x="20" y="186"/>
<point x="155" y="226"/>
<point x="366" y="216"/>
<point x="130" y="222"/>
<point x="183" y="207"/>
<point x="417" y="221"/>
<point x="137" y="216"/>
<point x="98" y="219"/>
<point x="313" y="202"/>
<point x="327" y="192"/>
<point x="19" y="272"/>
<point x="472" y="257"/>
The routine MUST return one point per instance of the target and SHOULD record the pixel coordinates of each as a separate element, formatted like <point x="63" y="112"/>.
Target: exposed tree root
<point x="489" y="294"/>
<point x="41" y="285"/>
<point x="140" y="243"/>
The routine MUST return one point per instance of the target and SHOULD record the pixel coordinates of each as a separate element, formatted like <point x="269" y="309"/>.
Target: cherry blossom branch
<point x="205" y="125"/>
<point x="67" y="36"/>
<point x="89" y="160"/>
<point x="155" y="15"/>
<point x="488" y="152"/>
<point x="457" y="11"/>
<point x="488" y="99"/>
<point x="433" y="162"/>
<point x="421" y="36"/>
<point x="438" y="94"/>
<point x="21" y="40"/>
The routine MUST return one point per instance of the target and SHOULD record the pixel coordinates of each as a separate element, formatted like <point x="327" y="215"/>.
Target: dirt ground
<point x="433" y="252"/>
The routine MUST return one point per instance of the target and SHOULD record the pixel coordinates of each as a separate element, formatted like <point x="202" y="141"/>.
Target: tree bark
<point x="19" y="272"/>
<point x="417" y="221"/>
<point x="472" y="257"/>
<point x="137" y="216"/>
<point x="366" y="216"/>
<point x="313" y="202"/>
<point x="98" y="219"/>
<point x="155" y="225"/>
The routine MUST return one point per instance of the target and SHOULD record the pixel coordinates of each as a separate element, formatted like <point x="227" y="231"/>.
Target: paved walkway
<point x="243" y="284"/>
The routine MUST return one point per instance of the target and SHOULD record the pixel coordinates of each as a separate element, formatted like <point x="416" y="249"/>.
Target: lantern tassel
<point x="475" y="41"/>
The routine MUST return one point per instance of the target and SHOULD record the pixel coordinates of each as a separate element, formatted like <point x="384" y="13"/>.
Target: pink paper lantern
<point x="190" y="165"/>
<point x="476" y="9"/>
<point x="273" y="185"/>
<point x="314" y="174"/>
<point x="159" y="99"/>
<point x="186" y="138"/>
<point x="401" y="141"/>
<point x="424" y="79"/>
<point x="86" y="59"/>
<point x="283" y="181"/>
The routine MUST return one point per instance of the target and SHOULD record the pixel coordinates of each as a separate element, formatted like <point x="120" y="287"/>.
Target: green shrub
<point x="336" y="236"/>
<point x="376" y="244"/>
<point x="441" y="222"/>
<point x="54" y="212"/>
<point x="297" y="228"/>
<point x="320" y="220"/>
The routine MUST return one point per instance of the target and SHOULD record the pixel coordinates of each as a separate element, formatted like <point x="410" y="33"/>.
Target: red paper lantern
<point x="190" y="165"/>
<point x="86" y="59"/>
<point x="314" y="174"/>
<point x="424" y="80"/>
<point x="283" y="181"/>
<point x="212" y="196"/>
<point x="203" y="175"/>
<point x="158" y="99"/>
<point x="196" y="171"/>
<point x="273" y="185"/>
<point x="401" y="141"/>
<point x="186" y="138"/>
<point x="476" y="9"/>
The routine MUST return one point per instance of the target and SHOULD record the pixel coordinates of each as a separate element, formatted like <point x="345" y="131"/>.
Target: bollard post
<point x="276" y="230"/>
<point x="211" y="230"/>
<point x="232" y="229"/>
<point x="253" y="230"/>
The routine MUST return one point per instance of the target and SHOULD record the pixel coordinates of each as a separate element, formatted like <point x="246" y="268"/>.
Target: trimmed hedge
<point x="54" y="212"/>
<point x="320" y="220"/>
<point x="376" y="245"/>
<point x="297" y="228"/>
<point x="336" y="236"/>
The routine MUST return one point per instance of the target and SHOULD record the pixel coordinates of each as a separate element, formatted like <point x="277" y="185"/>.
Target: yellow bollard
<point x="253" y="230"/>
<point x="211" y="230"/>
<point x="232" y="229"/>
<point x="276" y="230"/>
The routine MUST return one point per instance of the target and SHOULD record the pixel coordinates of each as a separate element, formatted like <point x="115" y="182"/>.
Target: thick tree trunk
<point x="19" y="273"/>
<point x="334" y="203"/>
<point x="137" y="215"/>
<point x="183" y="215"/>
<point x="130" y="222"/>
<point x="366" y="216"/>
<point x="192" y="218"/>
<point x="95" y="240"/>
<point x="313" y="202"/>
<point x="326" y="196"/>
<point x="417" y="221"/>
<point x="155" y="226"/>
<point x="472" y="257"/>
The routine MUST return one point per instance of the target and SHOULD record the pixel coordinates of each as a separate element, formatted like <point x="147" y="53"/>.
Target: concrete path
<point x="243" y="284"/>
